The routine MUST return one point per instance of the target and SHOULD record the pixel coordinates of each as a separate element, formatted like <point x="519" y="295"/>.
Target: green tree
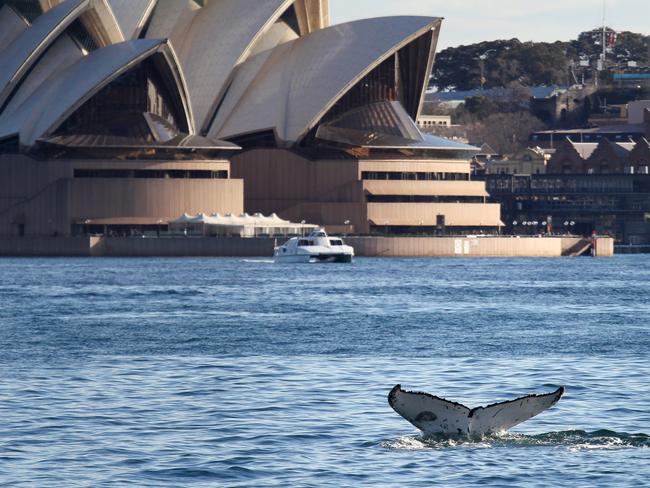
<point x="502" y="62"/>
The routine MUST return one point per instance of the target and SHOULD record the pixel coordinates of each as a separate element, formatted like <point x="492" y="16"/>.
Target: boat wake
<point x="574" y="440"/>
<point x="258" y="261"/>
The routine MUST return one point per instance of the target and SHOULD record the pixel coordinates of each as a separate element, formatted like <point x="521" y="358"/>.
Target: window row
<point x="172" y="174"/>
<point x="423" y="199"/>
<point x="413" y="176"/>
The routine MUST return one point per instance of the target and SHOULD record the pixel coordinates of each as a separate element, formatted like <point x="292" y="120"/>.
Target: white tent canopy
<point x="244" y="225"/>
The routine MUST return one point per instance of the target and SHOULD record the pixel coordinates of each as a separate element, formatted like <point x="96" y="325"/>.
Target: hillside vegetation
<point x="530" y="63"/>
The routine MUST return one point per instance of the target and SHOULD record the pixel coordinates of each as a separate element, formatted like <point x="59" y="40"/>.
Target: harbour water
<point x="227" y="372"/>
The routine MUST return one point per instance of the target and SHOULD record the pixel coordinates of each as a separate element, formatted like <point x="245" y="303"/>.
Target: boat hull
<point x="315" y="258"/>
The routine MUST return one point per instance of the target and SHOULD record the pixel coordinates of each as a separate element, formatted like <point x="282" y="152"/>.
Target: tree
<point x="480" y="107"/>
<point x="530" y="63"/>
<point x="506" y="133"/>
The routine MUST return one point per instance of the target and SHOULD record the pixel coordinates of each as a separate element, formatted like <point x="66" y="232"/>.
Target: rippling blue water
<point x="245" y="373"/>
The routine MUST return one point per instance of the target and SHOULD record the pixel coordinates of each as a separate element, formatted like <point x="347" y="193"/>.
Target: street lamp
<point x="481" y="63"/>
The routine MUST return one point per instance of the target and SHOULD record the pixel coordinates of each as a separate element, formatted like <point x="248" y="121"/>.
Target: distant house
<point x="610" y="158"/>
<point x="606" y="157"/>
<point x="570" y="157"/>
<point x="531" y="161"/>
<point x="483" y="158"/>
<point x="432" y="121"/>
<point x="640" y="157"/>
<point x="557" y="106"/>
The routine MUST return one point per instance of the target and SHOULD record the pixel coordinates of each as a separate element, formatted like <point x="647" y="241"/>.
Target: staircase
<point x="580" y="248"/>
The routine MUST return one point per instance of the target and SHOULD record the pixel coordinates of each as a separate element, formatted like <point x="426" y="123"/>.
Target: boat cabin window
<point x="305" y="242"/>
<point x="321" y="234"/>
<point x="336" y="242"/>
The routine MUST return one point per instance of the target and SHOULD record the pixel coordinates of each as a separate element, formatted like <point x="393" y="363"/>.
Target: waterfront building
<point x="119" y="115"/>
<point x="610" y="204"/>
<point x="602" y="187"/>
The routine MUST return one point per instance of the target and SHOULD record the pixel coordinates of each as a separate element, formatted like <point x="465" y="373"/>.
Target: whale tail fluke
<point x="435" y="415"/>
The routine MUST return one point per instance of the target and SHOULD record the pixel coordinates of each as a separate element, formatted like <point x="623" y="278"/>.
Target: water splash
<point x="574" y="440"/>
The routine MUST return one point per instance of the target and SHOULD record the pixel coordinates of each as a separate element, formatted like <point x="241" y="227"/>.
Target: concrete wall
<point x="410" y="165"/>
<point x="47" y="246"/>
<point x="438" y="188"/>
<point x="605" y="247"/>
<point x="263" y="247"/>
<point x="157" y="199"/>
<point x="47" y="199"/>
<point x="417" y="214"/>
<point x="330" y="192"/>
<point x="465" y="247"/>
<point x="187" y="247"/>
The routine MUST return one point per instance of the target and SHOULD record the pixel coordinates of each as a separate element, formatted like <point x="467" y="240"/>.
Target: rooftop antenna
<point x="604" y="33"/>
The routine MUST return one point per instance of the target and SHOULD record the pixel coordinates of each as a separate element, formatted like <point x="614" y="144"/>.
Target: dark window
<point x="117" y="110"/>
<point x="9" y="146"/>
<point x="29" y="9"/>
<point x="151" y="174"/>
<point x="411" y="176"/>
<point x="291" y="19"/>
<point x="79" y="33"/>
<point x="423" y="199"/>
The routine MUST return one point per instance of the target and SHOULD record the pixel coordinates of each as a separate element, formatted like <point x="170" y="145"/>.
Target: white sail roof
<point x="42" y="113"/>
<point x="28" y="46"/>
<point x="221" y="36"/>
<point x="294" y="85"/>
<point x="11" y="26"/>
<point x="312" y="15"/>
<point x="171" y="17"/>
<point x="132" y="15"/>
<point x="62" y="54"/>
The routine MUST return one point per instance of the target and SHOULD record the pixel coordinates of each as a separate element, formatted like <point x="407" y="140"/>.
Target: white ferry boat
<point x="318" y="247"/>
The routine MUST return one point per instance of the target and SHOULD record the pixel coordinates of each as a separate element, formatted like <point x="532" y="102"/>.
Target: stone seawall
<point x="263" y="247"/>
<point x="478" y="247"/>
<point x="47" y="246"/>
<point x="187" y="247"/>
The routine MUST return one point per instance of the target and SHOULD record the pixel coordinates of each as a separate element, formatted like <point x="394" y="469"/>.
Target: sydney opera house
<point x="125" y="114"/>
